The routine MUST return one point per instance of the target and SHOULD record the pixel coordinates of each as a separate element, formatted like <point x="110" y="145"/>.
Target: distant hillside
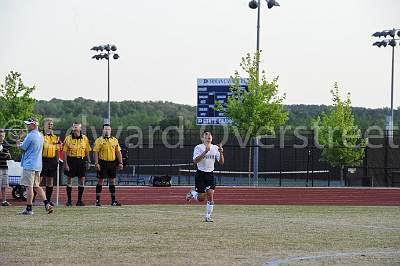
<point x="365" y="117"/>
<point x="144" y="114"/>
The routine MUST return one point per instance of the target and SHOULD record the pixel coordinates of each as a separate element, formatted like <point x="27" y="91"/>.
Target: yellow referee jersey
<point x="106" y="148"/>
<point x="50" y="145"/>
<point x="76" y="146"/>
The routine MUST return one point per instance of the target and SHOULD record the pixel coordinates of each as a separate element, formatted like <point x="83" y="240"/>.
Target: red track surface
<point x="245" y="195"/>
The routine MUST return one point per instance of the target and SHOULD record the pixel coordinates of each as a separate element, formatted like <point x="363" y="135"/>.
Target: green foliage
<point x="259" y="110"/>
<point x="337" y="131"/>
<point x="302" y="115"/>
<point x="125" y="113"/>
<point x="16" y="103"/>
<point x="164" y="114"/>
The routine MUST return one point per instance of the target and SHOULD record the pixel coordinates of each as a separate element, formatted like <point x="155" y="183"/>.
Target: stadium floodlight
<point x="392" y="42"/>
<point x="384" y="43"/>
<point x="253" y="4"/>
<point x="272" y="3"/>
<point x="377" y="44"/>
<point x="385" y="33"/>
<point x="377" y="34"/>
<point x="256" y="4"/>
<point x="110" y="50"/>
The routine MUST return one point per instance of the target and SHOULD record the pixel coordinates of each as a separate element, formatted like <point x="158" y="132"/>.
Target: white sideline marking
<point x="331" y="255"/>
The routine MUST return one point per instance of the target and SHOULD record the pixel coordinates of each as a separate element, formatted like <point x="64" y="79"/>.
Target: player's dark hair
<point x="106" y="125"/>
<point x="206" y="131"/>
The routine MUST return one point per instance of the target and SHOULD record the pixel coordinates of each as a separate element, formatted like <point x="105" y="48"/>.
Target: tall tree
<point x="257" y="111"/>
<point x="16" y="102"/>
<point x="339" y="135"/>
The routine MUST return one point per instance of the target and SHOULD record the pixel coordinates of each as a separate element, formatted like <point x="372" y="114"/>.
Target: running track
<point x="244" y="195"/>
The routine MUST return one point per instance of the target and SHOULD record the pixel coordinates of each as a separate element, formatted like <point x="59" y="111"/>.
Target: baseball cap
<point x="31" y="121"/>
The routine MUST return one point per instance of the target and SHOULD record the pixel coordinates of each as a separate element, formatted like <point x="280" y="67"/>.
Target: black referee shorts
<point x="77" y="167"/>
<point x="204" y="181"/>
<point x="108" y="169"/>
<point x="49" y="167"/>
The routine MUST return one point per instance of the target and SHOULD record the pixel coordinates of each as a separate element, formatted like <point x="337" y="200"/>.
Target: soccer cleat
<point x="80" y="203"/>
<point x="26" y="212"/>
<point x="51" y="203"/>
<point x="49" y="209"/>
<point x="189" y="196"/>
<point x="5" y="204"/>
<point x="68" y="204"/>
<point x="98" y="204"/>
<point x="208" y="220"/>
<point x="115" y="203"/>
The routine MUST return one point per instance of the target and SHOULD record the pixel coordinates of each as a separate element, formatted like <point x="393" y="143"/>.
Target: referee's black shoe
<point x="115" y="203"/>
<point x="80" y="203"/>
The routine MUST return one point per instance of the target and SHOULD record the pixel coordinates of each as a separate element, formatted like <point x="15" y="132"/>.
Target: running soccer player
<point x="204" y="156"/>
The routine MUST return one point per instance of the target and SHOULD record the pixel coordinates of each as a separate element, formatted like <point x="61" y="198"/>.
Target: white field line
<point x="329" y="255"/>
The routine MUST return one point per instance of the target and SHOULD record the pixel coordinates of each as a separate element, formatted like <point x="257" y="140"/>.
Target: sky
<point x="164" y="46"/>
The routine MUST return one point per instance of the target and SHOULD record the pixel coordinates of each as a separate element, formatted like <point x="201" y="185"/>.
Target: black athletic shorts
<point x="204" y="181"/>
<point x="108" y="169"/>
<point x="77" y="167"/>
<point x="49" y="167"/>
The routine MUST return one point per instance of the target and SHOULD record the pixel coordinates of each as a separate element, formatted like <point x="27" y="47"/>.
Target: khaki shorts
<point x="3" y="178"/>
<point x="30" y="178"/>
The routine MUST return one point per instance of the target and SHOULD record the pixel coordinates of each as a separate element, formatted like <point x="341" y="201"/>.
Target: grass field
<point x="176" y="235"/>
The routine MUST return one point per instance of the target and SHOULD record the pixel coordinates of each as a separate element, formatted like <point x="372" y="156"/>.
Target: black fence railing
<point x="287" y="160"/>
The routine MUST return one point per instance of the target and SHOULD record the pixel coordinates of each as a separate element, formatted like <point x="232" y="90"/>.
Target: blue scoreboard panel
<point x="209" y="92"/>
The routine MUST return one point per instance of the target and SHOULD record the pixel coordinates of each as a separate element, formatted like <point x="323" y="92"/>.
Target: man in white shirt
<point x="204" y="156"/>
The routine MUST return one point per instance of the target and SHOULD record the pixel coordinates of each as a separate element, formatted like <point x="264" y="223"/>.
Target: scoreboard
<point x="209" y="92"/>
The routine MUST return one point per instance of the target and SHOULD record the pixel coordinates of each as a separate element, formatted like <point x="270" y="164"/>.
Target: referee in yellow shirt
<point x="76" y="158"/>
<point x="49" y="157"/>
<point x="108" y="157"/>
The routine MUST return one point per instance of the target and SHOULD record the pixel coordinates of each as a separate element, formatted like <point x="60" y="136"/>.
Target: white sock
<point x="194" y="194"/>
<point x="209" y="208"/>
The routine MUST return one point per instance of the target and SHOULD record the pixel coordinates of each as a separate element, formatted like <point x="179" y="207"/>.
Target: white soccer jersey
<point x="207" y="164"/>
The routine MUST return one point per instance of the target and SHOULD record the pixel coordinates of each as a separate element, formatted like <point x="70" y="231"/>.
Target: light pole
<point x="392" y="42"/>
<point x="109" y="50"/>
<point x="256" y="4"/>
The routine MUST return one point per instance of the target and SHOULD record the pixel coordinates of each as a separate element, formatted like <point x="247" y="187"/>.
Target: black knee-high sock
<point x="99" y="188"/>
<point x="49" y="192"/>
<point x="80" y="193"/>
<point x="112" y="192"/>
<point x="69" y="192"/>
